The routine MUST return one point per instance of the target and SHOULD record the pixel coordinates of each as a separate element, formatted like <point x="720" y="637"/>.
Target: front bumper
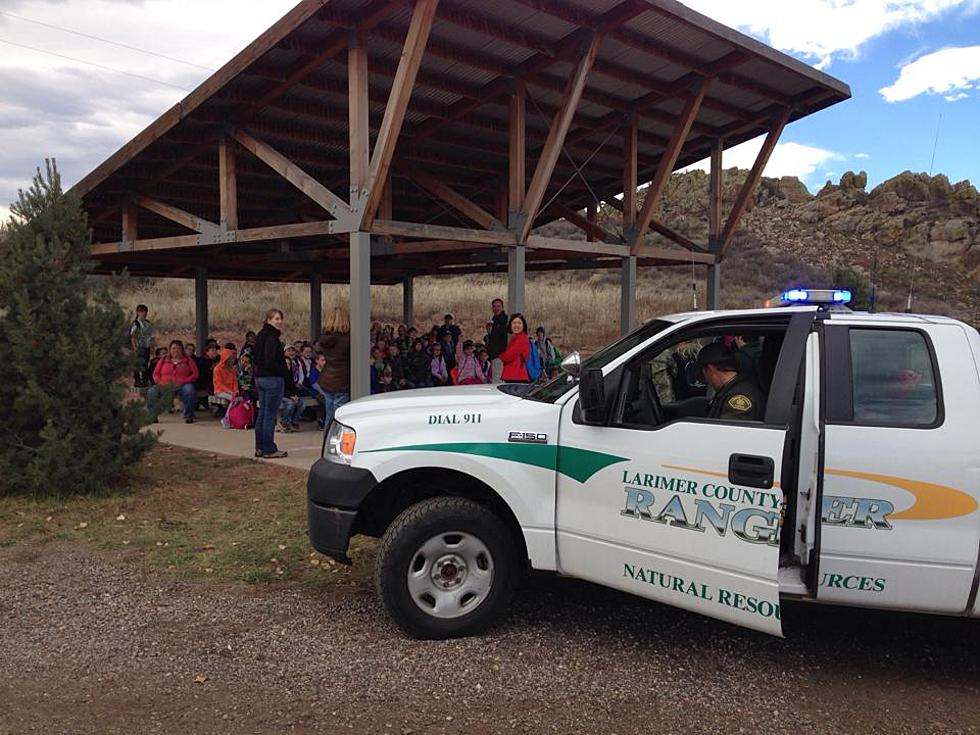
<point x="334" y="495"/>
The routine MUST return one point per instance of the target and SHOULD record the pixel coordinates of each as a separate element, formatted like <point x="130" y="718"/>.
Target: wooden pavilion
<point x="373" y="141"/>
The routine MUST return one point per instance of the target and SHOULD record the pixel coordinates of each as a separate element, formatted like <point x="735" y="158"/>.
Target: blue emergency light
<point x="815" y="296"/>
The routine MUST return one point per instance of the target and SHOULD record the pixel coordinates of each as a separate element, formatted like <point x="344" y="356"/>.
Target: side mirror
<point x="592" y="396"/>
<point x="572" y="364"/>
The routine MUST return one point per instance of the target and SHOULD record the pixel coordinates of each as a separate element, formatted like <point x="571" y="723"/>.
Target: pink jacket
<point x="168" y="372"/>
<point x="470" y="371"/>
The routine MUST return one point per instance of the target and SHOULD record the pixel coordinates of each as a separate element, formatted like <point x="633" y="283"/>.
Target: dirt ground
<point x="92" y="643"/>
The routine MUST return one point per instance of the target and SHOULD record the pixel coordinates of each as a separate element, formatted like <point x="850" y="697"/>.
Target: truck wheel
<point x="446" y="568"/>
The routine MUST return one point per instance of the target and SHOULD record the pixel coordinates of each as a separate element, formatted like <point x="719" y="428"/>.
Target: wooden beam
<point x="537" y="242"/>
<point x="159" y="243"/>
<point x="587" y="225"/>
<point x="130" y="223"/>
<point x="387" y="206"/>
<point x="517" y="151"/>
<point x="294" y="175"/>
<point x="441" y="232"/>
<point x="745" y="193"/>
<point x="359" y="124"/>
<point x="591" y="213"/>
<point x="556" y="138"/>
<point x="715" y="194"/>
<point x="401" y="93"/>
<point x="174" y="214"/>
<point x="455" y="200"/>
<point x="253" y="234"/>
<point x="629" y="172"/>
<point x="666" y="167"/>
<point x="227" y="184"/>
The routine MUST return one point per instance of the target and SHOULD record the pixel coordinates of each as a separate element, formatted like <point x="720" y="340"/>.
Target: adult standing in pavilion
<point x="497" y="339"/>
<point x="272" y="377"/>
<point x="334" y="378"/>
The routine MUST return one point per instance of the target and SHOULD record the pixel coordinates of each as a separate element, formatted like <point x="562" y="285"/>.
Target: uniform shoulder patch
<point x="740" y="402"/>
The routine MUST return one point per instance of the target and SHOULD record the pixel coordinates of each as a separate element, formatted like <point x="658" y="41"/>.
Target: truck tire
<point x="447" y="567"/>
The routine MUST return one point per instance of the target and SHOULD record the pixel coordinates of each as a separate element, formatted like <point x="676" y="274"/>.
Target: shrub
<point x="66" y="427"/>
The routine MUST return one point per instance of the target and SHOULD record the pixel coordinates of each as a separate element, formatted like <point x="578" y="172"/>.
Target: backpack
<point x="533" y="364"/>
<point x="241" y="412"/>
<point x="556" y="360"/>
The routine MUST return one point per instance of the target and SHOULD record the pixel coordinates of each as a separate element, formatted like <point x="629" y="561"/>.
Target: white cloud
<point x="788" y="159"/>
<point x="950" y="72"/>
<point x="862" y="156"/>
<point x="823" y="30"/>
<point x="79" y="114"/>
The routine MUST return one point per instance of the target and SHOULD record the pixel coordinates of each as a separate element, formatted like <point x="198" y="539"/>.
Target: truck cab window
<point x="893" y="378"/>
<point x="719" y="375"/>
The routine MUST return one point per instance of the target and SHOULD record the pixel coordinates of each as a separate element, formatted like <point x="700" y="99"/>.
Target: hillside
<point x="912" y="227"/>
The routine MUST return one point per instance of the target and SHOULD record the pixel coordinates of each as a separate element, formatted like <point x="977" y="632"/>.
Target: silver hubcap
<point x="450" y="575"/>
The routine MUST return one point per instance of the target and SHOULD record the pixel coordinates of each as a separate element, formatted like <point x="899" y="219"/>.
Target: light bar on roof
<point x="827" y="296"/>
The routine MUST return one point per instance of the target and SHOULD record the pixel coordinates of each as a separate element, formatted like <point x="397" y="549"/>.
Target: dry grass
<point x="198" y="515"/>
<point x="580" y="311"/>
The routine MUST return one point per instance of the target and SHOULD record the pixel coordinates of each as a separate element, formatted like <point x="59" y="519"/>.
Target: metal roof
<point x="289" y="88"/>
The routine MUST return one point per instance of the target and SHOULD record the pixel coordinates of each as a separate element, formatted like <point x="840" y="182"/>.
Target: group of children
<point x="222" y="376"/>
<point x="401" y="358"/>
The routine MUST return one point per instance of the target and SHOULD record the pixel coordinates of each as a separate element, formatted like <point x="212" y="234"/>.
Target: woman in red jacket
<point x="517" y="353"/>
<point x="178" y="373"/>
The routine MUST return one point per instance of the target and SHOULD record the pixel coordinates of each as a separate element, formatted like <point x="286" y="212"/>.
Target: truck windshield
<point x="562" y="382"/>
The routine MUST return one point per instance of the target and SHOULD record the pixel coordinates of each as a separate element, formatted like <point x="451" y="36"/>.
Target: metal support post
<point x="408" y="301"/>
<point x="515" y="279"/>
<point x="201" y="307"/>
<point x="713" y="296"/>
<point x="627" y="303"/>
<point x="360" y="314"/>
<point x="316" y="305"/>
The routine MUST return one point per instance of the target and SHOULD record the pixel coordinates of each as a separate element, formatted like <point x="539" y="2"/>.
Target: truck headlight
<point x="339" y="444"/>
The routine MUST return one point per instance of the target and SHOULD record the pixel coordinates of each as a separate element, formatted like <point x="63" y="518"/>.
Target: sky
<point x="913" y="67"/>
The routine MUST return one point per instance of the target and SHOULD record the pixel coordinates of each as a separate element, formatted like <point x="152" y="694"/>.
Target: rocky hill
<point x="913" y="230"/>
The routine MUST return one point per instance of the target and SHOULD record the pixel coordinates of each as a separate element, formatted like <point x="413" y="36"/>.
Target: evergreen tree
<point x="65" y="427"/>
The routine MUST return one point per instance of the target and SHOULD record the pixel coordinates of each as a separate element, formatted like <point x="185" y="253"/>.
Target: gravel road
<point x="91" y="643"/>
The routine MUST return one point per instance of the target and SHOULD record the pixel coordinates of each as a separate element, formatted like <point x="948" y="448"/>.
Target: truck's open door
<point x="662" y="502"/>
<point x="804" y="548"/>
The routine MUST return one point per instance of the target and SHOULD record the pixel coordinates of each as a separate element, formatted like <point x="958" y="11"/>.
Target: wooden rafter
<point x="517" y="150"/>
<point x="401" y="93"/>
<point x="629" y="172"/>
<point x="294" y="175"/>
<point x="175" y="214"/>
<point x="666" y="166"/>
<point x="745" y="193"/>
<point x="556" y="137"/>
<point x="130" y="223"/>
<point x="227" y="184"/>
<point x="252" y="234"/>
<point x="455" y="200"/>
<point x="359" y="124"/>
<point x="589" y="226"/>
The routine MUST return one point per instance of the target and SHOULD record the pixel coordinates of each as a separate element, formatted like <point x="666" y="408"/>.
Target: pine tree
<point x="65" y="425"/>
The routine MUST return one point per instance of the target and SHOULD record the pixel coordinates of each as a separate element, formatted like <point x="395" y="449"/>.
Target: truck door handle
<point x="751" y="470"/>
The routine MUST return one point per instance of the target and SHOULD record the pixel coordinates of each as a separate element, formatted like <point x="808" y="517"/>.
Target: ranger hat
<point x="716" y="354"/>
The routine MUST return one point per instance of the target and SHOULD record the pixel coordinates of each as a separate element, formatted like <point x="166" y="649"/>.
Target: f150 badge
<point x="527" y="437"/>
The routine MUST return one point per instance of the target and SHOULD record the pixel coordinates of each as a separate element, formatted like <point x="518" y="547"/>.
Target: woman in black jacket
<point x="272" y="380"/>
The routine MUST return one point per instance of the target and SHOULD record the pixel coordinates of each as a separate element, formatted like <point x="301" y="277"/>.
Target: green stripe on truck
<point x="579" y="464"/>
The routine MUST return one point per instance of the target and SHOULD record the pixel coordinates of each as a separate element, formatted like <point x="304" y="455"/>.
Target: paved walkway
<point x="207" y="435"/>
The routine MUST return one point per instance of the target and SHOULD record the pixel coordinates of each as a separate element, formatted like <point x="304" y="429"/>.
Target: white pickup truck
<point x="855" y="483"/>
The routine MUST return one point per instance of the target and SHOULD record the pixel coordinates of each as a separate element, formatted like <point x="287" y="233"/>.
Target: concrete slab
<point x="206" y="434"/>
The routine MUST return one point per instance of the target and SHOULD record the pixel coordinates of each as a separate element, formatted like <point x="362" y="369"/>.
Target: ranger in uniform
<point x="737" y="396"/>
